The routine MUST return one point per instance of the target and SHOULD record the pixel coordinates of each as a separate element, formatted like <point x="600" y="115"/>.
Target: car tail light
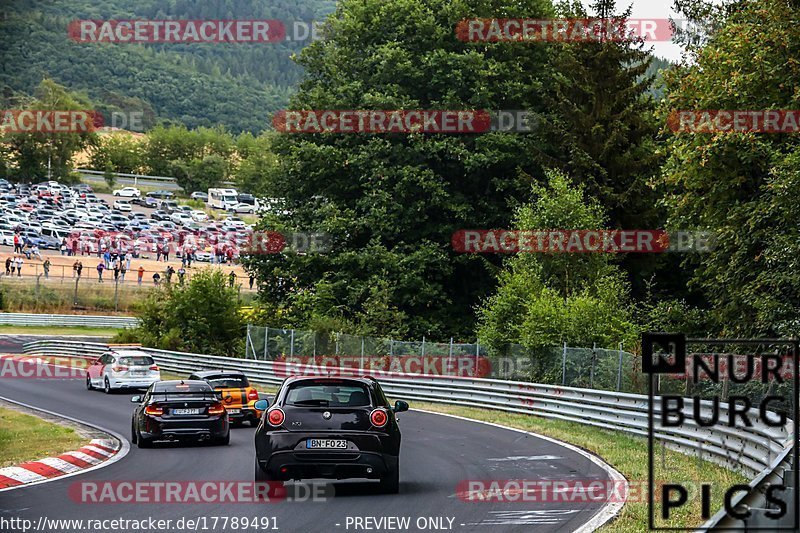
<point x="155" y="410"/>
<point x="119" y="368"/>
<point x="276" y="417"/>
<point x="379" y="418"/>
<point x="252" y="394"/>
<point x="216" y="409"/>
<point x="154" y="367"/>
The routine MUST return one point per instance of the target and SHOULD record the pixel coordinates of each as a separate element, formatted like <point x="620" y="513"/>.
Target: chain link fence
<point x="311" y="351"/>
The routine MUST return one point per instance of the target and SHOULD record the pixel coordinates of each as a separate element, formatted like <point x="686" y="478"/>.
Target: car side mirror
<point x="261" y="405"/>
<point x="400" y="406"/>
<point x="136" y="399"/>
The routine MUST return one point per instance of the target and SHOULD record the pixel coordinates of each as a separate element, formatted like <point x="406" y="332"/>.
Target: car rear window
<point x="328" y="395"/>
<point x="177" y="387"/>
<point x="228" y="382"/>
<point x="139" y="360"/>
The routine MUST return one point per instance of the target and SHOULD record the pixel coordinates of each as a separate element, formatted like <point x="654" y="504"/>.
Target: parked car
<point x="199" y="216"/>
<point x="242" y="208"/>
<point x="128" y="192"/>
<point x="146" y="201"/>
<point x="122" y="205"/>
<point x="197" y="195"/>
<point x="162" y="194"/>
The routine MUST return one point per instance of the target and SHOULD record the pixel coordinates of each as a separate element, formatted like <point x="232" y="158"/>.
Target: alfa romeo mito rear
<point x="334" y="428"/>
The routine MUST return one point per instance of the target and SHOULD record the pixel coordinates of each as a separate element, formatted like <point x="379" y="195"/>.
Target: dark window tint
<point x="228" y="382"/>
<point x="139" y="360"/>
<point x="328" y="395"/>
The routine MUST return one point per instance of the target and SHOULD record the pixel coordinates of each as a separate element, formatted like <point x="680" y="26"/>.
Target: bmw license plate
<point x="234" y="411"/>
<point x="330" y="444"/>
<point x="186" y="411"/>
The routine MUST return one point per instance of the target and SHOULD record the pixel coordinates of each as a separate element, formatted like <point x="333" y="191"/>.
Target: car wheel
<point x="134" y="436"/>
<point x="391" y="483"/>
<point x="89" y="383"/>
<point x="261" y="475"/>
<point x="106" y="386"/>
<point x="224" y="441"/>
<point x="142" y="442"/>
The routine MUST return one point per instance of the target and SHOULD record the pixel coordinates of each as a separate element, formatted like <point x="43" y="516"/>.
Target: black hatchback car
<point x="334" y="428"/>
<point x="178" y="410"/>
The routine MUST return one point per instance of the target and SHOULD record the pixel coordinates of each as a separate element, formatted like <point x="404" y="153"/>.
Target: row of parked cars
<point x="49" y="213"/>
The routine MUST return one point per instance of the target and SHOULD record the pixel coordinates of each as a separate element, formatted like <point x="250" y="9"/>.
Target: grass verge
<point x="58" y="330"/>
<point x="626" y="453"/>
<point x="27" y="438"/>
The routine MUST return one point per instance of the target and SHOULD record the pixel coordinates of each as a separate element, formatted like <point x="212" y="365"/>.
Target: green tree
<point x="742" y="186"/>
<point x="201" y="316"/>
<point x="392" y="202"/>
<point x="32" y="154"/>
<point x="545" y="299"/>
<point x="119" y="151"/>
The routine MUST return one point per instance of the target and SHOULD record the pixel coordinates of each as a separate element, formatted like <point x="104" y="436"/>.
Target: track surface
<point x="437" y="453"/>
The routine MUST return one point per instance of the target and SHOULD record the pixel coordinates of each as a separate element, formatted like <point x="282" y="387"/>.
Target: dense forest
<point x="232" y="84"/>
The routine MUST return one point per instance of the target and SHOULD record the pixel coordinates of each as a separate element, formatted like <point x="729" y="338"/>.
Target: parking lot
<point x="72" y="224"/>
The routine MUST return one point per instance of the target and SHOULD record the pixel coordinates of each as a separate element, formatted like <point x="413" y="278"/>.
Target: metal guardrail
<point x="93" y="321"/>
<point x="760" y="452"/>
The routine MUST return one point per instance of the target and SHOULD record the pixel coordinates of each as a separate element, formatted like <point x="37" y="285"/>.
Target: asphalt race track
<point x="437" y="453"/>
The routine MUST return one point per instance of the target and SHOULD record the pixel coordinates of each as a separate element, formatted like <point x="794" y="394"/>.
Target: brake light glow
<point x="119" y="368"/>
<point x="154" y="410"/>
<point x="216" y="409"/>
<point x="154" y="367"/>
<point x="252" y="394"/>
<point x="276" y="417"/>
<point x="379" y="418"/>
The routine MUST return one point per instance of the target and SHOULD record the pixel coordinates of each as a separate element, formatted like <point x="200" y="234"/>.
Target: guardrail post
<point x="423" y="346"/>
<point x="564" y="366"/>
<point x="450" y="356"/>
<point x="619" y="369"/>
<point x="591" y="370"/>
<point x="477" y="353"/>
<point x="266" y="343"/>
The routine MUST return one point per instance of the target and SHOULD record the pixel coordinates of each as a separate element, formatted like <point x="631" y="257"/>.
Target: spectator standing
<point x="64" y="246"/>
<point x="116" y="271"/>
<point x="100" y="267"/>
<point x="107" y="258"/>
<point x="181" y="275"/>
<point x="141" y="274"/>
<point x="168" y="273"/>
<point x="17" y="243"/>
<point x="46" y="267"/>
<point x="80" y="268"/>
<point x="231" y="279"/>
<point x="122" y="270"/>
<point x="127" y="258"/>
<point x="8" y="265"/>
<point x="19" y="261"/>
<point x="166" y="252"/>
<point x="74" y="247"/>
<point x="75" y="269"/>
<point x="156" y="278"/>
<point x="252" y="279"/>
<point x="159" y="250"/>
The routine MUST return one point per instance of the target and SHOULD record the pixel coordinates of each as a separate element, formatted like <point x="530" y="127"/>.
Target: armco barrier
<point x="91" y="321"/>
<point x="760" y="452"/>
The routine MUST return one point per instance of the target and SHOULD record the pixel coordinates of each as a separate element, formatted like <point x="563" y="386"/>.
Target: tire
<point x="391" y="483"/>
<point x="89" y="385"/>
<point x="224" y="441"/>
<point x="134" y="435"/>
<point x="260" y="475"/>
<point x="107" y="387"/>
<point x="142" y="442"/>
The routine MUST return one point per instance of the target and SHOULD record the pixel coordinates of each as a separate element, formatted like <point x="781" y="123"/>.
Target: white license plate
<point x="186" y="411"/>
<point x="234" y="411"/>
<point x="138" y="373"/>
<point x="335" y="444"/>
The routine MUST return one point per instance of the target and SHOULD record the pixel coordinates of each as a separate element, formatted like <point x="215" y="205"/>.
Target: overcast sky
<point x="652" y="9"/>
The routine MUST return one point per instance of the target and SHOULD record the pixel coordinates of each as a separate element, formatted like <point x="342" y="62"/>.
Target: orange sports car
<point x="238" y="396"/>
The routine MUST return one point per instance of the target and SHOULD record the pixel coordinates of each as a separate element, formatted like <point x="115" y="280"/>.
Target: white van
<point x="222" y="198"/>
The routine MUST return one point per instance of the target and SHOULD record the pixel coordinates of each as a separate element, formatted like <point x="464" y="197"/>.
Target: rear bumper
<point x="132" y="383"/>
<point x="157" y="428"/>
<point x="328" y="465"/>
<point x="245" y="413"/>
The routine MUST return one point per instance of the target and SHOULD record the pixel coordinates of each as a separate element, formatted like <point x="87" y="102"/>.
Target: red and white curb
<point x="98" y="451"/>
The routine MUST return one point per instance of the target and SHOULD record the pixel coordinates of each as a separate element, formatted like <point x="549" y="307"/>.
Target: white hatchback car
<point x="122" y="205"/>
<point x="129" y="192"/>
<point x="199" y="216"/>
<point x="122" y="369"/>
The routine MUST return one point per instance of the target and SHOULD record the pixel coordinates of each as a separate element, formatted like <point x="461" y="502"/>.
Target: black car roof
<point x="206" y="373"/>
<point x="171" y="385"/>
<point x="367" y="380"/>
